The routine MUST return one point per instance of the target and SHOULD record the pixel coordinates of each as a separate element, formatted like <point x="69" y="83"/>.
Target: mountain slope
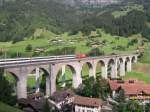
<point x="19" y="19"/>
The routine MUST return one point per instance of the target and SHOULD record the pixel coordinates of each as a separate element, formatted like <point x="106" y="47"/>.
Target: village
<point x="69" y="101"/>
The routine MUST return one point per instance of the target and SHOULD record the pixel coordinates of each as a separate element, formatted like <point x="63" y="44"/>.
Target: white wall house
<point x="85" y="104"/>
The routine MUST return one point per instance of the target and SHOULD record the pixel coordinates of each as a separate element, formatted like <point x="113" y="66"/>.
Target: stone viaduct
<point x="21" y="69"/>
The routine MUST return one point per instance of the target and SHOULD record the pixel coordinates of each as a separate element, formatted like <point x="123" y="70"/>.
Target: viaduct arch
<point x="21" y="70"/>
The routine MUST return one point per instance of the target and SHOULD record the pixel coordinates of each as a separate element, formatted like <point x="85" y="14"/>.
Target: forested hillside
<point x="20" y="18"/>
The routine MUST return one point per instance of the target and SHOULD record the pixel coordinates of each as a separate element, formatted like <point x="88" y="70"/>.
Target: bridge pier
<point x="92" y="71"/>
<point x="104" y="70"/>
<point x="48" y="82"/>
<point x="122" y="67"/>
<point x="53" y="74"/>
<point x="114" y="69"/>
<point x="20" y="74"/>
<point x="37" y="79"/>
<point x="22" y="87"/>
<point x="129" y="65"/>
<point x="77" y="79"/>
<point x="63" y="76"/>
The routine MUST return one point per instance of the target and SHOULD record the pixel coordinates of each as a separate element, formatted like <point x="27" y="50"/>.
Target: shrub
<point x="28" y="48"/>
<point x="132" y="42"/>
<point x="95" y="52"/>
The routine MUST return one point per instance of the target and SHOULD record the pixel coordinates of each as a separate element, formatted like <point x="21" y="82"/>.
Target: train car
<point x="81" y="56"/>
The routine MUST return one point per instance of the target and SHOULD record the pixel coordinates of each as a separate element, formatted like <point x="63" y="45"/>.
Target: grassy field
<point x="140" y="71"/>
<point x="142" y="68"/>
<point x="7" y="108"/>
<point x="31" y="81"/>
<point x="145" y="58"/>
<point x="138" y="76"/>
<point x="78" y="41"/>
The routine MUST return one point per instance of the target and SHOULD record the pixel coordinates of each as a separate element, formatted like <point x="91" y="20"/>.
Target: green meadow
<point x="44" y="39"/>
<point x="7" y="108"/>
<point x="138" y="76"/>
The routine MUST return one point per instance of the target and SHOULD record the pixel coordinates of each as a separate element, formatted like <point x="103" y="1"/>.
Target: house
<point x="77" y="103"/>
<point x="140" y="49"/>
<point x="134" y="89"/>
<point x="37" y="50"/>
<point x="86" y="104"/>
<point x="80" y="104"/>
<point x="62" y="97"/>
<point x="53" y="41"/>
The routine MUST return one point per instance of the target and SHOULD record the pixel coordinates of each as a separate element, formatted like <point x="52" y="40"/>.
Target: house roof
<point x="115" y="84"/>
<point x="130" y="87"/>
<point x="59" y="96"/>
<point x="136" y="89"/>
<point x="86" y="101"/>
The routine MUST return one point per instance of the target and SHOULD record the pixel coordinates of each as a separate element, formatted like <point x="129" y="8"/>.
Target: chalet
<point x="140" y="50"/>
<point x="37" y="50"/>
<point x="53" y="41"/>
<point x="62" y="97"/>
<point x="86" y="104"/>
<point x="134" y="89"/>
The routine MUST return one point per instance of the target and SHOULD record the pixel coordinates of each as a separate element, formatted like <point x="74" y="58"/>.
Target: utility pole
<point x="5" y="54"/>
<point x="18" y="54"/>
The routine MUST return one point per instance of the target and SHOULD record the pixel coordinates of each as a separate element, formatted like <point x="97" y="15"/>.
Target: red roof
<point x="86" y="101"/>
<point x="130" y="88"/>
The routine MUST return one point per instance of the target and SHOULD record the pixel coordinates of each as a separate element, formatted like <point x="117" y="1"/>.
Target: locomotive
<point x="81" y="56"/>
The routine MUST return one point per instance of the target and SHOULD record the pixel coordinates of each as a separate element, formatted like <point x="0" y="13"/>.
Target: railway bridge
<point x="20" y="68"/>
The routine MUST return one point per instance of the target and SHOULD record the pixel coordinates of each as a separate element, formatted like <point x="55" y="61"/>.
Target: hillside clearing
<point x="123" y="11"/>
